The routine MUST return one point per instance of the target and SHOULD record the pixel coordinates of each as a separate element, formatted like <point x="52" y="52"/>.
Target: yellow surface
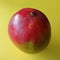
<point x="51" y="8"/>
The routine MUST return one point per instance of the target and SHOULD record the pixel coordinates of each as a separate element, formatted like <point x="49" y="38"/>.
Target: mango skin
<point x="30" y="30"/>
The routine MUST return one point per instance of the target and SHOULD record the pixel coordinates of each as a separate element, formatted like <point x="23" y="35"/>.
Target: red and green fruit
<point x="29" y="29"/>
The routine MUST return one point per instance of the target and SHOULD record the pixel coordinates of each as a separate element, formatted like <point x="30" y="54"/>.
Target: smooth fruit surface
<point x="29" y="29"/>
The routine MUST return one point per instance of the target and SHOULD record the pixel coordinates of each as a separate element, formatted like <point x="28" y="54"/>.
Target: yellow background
<point x="51" y="8"/>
